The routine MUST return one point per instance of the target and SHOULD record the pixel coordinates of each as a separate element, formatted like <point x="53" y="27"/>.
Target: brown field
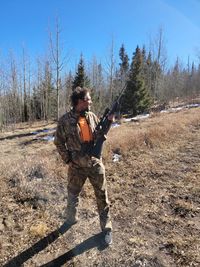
<point x="154" y="192"/>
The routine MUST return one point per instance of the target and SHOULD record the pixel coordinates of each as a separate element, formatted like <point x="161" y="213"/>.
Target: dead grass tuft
<point x="40" y="229"/>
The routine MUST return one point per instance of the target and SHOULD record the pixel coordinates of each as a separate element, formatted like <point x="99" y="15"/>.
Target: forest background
<point x="39" y="89"/>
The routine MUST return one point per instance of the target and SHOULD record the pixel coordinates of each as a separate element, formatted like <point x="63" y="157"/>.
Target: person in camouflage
<point x="76" y="130"/>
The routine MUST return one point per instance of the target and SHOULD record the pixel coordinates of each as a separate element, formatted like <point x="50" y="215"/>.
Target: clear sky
<point x="88" y="26"/>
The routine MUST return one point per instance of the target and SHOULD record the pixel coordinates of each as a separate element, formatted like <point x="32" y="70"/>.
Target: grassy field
<point x="154" y="190"/>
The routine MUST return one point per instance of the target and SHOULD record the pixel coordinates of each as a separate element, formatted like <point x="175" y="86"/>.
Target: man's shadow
<point x="91" y="242"/>
<point x="94" y="241"/>
<point x="37" y="247"/>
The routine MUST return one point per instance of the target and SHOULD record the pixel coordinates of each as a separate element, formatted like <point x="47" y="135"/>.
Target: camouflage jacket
<point x="68" y="138"/>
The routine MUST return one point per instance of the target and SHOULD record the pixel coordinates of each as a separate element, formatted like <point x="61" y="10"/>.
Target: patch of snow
<point x="138" y="117"/>
<point x="164" y="111"/>
<point x="193" y="106"/>
<point x="115" y="124"/>
<point x="116" y="157"/>
<point x="48" y="138"/>
<point x="176" y="109"/>
<point x="170" y="110"/>
<point x="141" y="117"/>
<point x="127" y="120"/>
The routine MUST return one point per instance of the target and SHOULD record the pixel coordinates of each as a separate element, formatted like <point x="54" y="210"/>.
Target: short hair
<point x="78" y="93"/>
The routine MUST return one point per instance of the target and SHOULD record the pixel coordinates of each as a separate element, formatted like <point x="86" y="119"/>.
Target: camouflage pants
<point x="96" y="175"/>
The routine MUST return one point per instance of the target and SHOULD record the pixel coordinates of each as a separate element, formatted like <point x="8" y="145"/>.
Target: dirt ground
<point x="155" y="204"/>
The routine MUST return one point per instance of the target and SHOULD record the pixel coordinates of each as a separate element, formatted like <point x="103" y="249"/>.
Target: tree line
<point x="42" y="93"/>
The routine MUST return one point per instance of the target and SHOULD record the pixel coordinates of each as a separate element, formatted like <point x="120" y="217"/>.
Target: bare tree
<point x="2" y="98"/>
<point x="67" y="89"/>
<point x="98" y="85"/>
<point x="58" y="60"/>
<point x="14" y="96"/>
<point x="159" y="59"/>
<point x="48" y="91"/>
<point x="25" y="96"/>
<point x="110" y="70"/>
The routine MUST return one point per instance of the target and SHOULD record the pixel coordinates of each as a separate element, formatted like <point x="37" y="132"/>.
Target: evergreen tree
<point x="122" y="73"/>
<point x="136" y="98"/>
<point x="81" y="78"/>
<point x="148" y="72"/>
<point x="124" y="64"/>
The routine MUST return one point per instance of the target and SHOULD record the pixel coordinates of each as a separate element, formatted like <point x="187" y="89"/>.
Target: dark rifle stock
<point x="103" y="127"/>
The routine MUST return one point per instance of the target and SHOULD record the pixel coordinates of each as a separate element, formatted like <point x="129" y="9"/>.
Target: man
<point x="75" y="131"/>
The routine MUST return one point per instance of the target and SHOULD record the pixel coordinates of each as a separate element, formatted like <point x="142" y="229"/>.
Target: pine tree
<point x="124" y="64"/>
<point x="81" y="78"/>
<point x="121" y="73"/>
<point x="136" y="98"/>
<point x="147" y="71"/>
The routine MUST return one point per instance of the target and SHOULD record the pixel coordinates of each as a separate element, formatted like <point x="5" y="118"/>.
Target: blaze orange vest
<point x="86" y="134"/>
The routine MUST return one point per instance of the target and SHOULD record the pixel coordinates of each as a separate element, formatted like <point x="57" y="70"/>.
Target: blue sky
<point x="88" y="26"/>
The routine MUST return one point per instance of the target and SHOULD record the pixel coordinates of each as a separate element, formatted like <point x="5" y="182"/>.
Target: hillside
<point x="154" y="190"/>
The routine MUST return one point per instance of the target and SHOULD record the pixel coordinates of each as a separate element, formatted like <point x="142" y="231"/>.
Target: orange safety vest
<point x="86" y="134"/>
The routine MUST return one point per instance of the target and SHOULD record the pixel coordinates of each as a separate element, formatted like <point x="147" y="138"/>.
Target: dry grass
<point x="154" y="192"/>
<point x="40" y="229"/>
<point x="153" y="132"/>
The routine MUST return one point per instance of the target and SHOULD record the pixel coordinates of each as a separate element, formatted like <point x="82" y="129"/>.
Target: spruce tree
<point x="81" y="78"/>
<point x="124" y="64"/>
<point x="136" y="98"/>
<point x="147" y="71"/>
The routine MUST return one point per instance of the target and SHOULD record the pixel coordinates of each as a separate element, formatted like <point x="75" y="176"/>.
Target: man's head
<point x="81" y="99"/>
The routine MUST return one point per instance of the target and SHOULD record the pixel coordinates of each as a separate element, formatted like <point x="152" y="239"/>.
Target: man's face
<point x="84" y="104"/>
